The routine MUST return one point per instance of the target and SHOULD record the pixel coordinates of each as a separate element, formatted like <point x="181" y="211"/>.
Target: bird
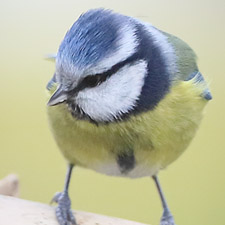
<point x="126" y="99"/>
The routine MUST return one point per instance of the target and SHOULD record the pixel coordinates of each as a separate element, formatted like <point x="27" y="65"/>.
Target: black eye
<point x="91" y="81"/>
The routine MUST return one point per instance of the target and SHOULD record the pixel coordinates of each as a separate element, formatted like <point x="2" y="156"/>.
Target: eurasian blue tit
<point x="126" y="99"/>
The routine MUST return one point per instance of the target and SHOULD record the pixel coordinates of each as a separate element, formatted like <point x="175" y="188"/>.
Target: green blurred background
<point x="194" y="185"/>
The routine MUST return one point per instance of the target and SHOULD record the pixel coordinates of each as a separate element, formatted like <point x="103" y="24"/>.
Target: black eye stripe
<point x="96" y="79"/>
<point x="89" y="81"/>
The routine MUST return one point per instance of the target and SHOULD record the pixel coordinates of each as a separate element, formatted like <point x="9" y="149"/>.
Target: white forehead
<point x="115" y="96"/>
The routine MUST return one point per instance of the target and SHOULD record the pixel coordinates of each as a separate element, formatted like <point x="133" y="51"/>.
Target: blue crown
<point x="92" y="37"/>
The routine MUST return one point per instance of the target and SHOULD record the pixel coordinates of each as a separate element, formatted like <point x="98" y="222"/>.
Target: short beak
<point x="58" y="97"/>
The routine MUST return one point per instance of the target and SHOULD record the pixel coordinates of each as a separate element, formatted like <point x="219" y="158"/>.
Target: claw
<point x="55" y="198"/>
<point x="167" y="219"/>
<point x="63" y="210"/>
<point x="72" y="218"/>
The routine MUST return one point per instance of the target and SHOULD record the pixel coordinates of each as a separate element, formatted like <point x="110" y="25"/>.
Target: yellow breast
<point x="157" y="137"/>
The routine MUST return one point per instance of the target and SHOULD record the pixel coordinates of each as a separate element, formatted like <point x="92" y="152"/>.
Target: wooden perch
<point x="10" y="185"/>
<point x="14" y="211"/>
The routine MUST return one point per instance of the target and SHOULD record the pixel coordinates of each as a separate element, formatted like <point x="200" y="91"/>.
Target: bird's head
<point x="100" y="66"/>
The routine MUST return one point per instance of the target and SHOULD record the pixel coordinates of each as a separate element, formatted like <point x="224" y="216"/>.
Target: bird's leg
<point x="167" y="218"/>
<point x="63" y="210"/>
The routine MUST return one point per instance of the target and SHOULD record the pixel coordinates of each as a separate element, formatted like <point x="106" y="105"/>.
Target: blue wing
<point x="200" y="79"/>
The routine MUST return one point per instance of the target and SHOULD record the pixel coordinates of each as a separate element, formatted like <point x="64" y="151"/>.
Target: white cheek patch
<point x="115" y="96"/>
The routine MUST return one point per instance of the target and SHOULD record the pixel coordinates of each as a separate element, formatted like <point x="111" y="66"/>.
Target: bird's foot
<point x="167" y="219"/>
<point x="63" y="210"/>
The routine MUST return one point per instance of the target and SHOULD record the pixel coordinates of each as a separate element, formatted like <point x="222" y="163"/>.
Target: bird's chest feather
<point x="139" y="146"/>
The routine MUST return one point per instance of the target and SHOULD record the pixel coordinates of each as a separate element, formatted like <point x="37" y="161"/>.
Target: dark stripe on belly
<point x="126" y="161"/>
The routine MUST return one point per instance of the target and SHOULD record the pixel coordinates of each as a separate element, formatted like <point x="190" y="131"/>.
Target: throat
<point x="78" y="113"/>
